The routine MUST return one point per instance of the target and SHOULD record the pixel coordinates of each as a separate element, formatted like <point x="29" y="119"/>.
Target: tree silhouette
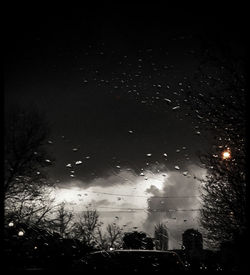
<point x="112" y="238"/>
<point x="26" y="156"/>
<point x="218" y="96"/>
<point x="86" y="226"/>
<point x="62" y="223"/>
<point x="161" y="236"/>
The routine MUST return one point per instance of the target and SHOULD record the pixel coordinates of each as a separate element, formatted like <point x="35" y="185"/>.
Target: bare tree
<point x="26" y="134"/>
<point x="114" y="235"/>
<point x="110" y="238"/>
<point x="29" y="210"/>
<point x="25" y="195"/>
<point x="101" y="239"/>
<point x="86" y="226"/>
<point x="62" y="222"/>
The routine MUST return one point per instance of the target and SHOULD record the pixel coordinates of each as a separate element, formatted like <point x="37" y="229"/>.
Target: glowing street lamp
<point x="226" y="154"/>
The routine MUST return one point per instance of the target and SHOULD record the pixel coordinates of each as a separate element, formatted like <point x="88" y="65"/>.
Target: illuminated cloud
<point x="141" y="201"/>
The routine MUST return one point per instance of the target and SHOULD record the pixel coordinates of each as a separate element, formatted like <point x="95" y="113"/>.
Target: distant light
<point x="11" y="224"/>
<point x="20" y="233"/>
<point x="226" y="154"/>
<point x="111" y="248"/>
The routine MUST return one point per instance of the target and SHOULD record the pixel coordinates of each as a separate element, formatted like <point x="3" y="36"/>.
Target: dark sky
<point x="110" y="80"/>
<point x="98" y="73"/>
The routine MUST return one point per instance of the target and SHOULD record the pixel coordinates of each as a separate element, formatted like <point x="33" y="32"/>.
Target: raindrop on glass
<point x="20" y="233"/>
<point x="176" y="107"/>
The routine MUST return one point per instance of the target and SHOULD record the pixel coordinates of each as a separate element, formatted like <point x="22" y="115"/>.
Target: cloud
<point x="118" y="177"/>
<point x="173" y="211"/>
<point x="137" y="199"/>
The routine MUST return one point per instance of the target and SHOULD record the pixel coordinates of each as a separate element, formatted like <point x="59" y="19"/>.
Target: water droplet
<point x="149" y="155"/>
<point x="11" y="224"/>
<point x="20" y="233"/>
<point x="78" y="162"/>
<point x="177" y="167"/>
<point x="118" y="166"/>
<point x="69" y="165"/>
<point x="130" y="131"/>
<point x="75" y="149"/>
<point x="168" y="100"/>
<point x="185" y="173"/>
<point x="176" y="107"/>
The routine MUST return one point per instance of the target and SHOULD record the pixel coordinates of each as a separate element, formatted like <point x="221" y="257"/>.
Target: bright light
<point x="20" y="233"/>
<point x="11" y="224"/>
<point x="226" y="154"/>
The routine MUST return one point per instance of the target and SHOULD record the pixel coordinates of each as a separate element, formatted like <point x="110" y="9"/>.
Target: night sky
<point x="110" y="82"/>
